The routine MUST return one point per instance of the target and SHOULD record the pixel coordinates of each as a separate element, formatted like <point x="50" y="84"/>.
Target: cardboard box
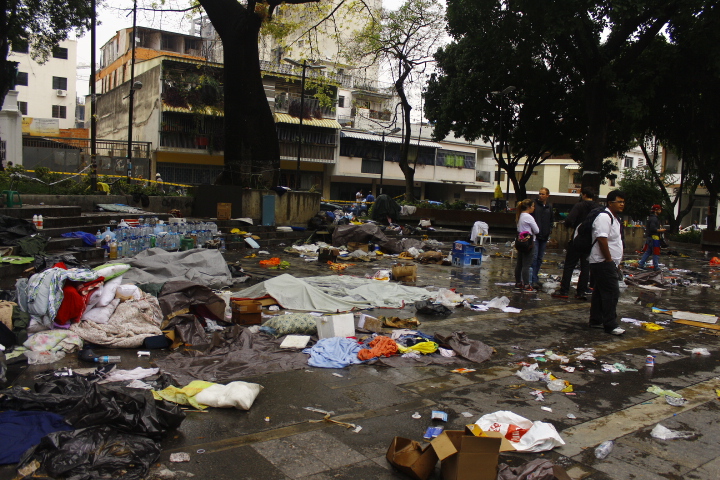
<point x="342" y="325"/>
<point x="408" y="457"/>
<point x="505" y="444"/>
<point x="224" y="211"/>
<point x="464" y="456"/>
<point x="328" y="255"/>
<point x="404" y="273"/>
<point x="368" y="322"/>
<point x="246" y="312"/>
<point x="352" y="246"/>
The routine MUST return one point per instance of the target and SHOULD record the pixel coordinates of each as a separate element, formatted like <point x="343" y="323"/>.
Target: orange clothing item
<point x="379" y="347"/>
<point x="271" y="262"/>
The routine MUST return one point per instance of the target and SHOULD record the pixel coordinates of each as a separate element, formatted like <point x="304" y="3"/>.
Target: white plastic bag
<point x="499" y="302"/>
<point x="530" y="374"/>
<point x="240" y="395"/>
<point x="43" y="358"/>
<point x="448" y="298"/>
<point x="525" y="435"/>
<point x="663" y="433"/>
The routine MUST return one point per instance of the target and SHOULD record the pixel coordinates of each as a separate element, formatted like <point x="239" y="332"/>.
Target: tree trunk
<point x="252" y="151"/>
<point x="6" y="72"/>
<point x="596" y="140"/>
<point x="407" y="170"/>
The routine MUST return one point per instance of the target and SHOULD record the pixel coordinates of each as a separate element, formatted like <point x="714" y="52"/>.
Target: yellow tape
<point x="123" y="176"/>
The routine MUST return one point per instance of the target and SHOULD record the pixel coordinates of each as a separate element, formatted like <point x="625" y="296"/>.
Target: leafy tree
<point x="40" y="25"/>
<point x="641" y="192"/>
<point x="589" y="48"/>
<point x="406" y="39"/>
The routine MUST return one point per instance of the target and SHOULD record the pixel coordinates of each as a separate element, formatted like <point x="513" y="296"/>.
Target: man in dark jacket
<point x="544" y="218"/>
<point x="572" y="221"/>
<point x="652" y="238"/>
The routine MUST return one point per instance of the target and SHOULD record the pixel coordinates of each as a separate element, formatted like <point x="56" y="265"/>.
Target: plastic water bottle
<point x="604" y="449"/>
<point x="107" y="359"/>
<point x="98" y="239"/>
<point x="222" y="245"/>
<point x="35" y="220"/>
<point x="40" y="222"/>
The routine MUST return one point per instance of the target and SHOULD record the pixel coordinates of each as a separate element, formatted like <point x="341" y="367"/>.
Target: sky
<point x="116" y="15"/>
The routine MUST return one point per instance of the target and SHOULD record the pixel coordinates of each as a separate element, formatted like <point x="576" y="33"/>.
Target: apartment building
<point x="47" y="91"/>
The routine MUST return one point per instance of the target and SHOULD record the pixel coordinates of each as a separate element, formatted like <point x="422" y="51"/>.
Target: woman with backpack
<point x="527" y="228"/>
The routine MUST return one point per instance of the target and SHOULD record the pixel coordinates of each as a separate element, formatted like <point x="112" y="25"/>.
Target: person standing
<point x="652" y="238"/>
<point x="576" y="216"/>
<point x="159" y="182"/>
<point x="525" y="223"/>
<point x="605" y="258"/>
<point x="544" y="218"/>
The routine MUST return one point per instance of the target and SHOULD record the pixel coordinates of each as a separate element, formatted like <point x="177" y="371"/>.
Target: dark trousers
<point x="523" y="265"/>
<point x="571" y="260"/>
<point x="605" y="295"/>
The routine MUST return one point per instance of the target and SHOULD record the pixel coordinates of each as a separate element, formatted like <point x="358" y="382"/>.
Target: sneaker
<point x="559" y="295"/>
<point x="617" y="331"/>
<point x="528" y="289"/>
<point x="518" y="286"/>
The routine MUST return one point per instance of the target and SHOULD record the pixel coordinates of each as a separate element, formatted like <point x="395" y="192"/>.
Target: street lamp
<point x="502" y="94"/>
<point x="304" y="65"/>
<point x="382" y="160"/>
<point x="133" y="86"/>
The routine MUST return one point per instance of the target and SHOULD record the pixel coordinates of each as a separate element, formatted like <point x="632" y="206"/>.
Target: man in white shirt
<point x="605" y="258"/>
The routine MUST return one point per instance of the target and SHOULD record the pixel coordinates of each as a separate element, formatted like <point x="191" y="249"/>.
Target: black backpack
<point x="583" y="241"/>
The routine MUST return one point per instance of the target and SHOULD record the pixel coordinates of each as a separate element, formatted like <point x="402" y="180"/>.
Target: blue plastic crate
<point x="467" y="259"/>
<point x="460" y="246"/>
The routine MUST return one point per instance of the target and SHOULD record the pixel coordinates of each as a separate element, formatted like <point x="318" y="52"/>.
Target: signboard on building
<point x="41" y="127"/>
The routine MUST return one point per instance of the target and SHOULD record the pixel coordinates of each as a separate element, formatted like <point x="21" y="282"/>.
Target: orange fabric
<point x="271" y="262"/>
<point x="715" y="261"/>
<point x="379" y="347"/>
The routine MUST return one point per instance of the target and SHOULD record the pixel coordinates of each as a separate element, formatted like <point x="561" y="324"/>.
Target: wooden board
<point x="698" y="324"/>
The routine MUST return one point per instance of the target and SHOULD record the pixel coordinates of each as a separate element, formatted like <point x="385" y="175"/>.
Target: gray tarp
<point x="202" y="266"/>
<point x="365" y="233"/>
<point x="334" y="293"/>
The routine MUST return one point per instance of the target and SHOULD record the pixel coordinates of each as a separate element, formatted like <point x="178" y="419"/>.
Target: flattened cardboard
<point x="467" y="457"/>
<point x="408" y="457"/>
<point x="224" y="211"/>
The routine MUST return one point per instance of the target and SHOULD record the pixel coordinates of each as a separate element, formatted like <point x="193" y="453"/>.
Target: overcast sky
<point x="118" y="14"/>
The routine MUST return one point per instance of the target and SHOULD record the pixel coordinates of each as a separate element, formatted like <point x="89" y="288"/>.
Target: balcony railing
<point x="346" y="81"/>
<point x="285" y="101"/>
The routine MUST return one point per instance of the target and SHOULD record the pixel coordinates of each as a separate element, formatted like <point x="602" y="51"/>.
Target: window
<point x="341" y="101"/>
<point x="168" y="43"/>
<point x="22" y="106"/>
<point x="21" y="46"/>
<point x="59" y="83"/>
<point x="21" y="79"/>
<point x="628" y="162"/>
<point x="191" y="44"/>
<point x="371" y="165"/>
<point x="59" y="111"/>
<point x="60" y="52"/>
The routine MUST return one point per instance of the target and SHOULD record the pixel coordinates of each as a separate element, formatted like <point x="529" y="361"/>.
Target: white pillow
<point x="101" y="314"/>
<point x="108" y="292"/>
<point x="112" y="270"/>
<point x="240" y="395"/>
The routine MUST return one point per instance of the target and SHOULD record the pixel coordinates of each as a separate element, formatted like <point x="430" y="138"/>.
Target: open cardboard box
<point x="464" y="456"/>
<point x="408" y="457"/>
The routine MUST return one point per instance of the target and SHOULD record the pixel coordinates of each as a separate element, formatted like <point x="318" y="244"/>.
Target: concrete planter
<point x="88" y="202"/>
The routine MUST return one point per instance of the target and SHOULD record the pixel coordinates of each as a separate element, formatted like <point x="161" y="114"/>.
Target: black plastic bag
<point x="43" y="262"/>
<point x="91" y="454"/>
<point x="428" y="308"/>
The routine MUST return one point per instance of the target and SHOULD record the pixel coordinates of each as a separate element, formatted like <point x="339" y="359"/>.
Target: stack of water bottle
<point x="127" y="241"/>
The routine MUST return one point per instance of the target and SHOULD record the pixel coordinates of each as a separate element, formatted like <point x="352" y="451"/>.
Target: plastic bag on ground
<point x="525" y="435"/>
<point x="43" y="358"/>
<point x="473" y="350"/>
<point x="499" y="302"/>
<point x="663" y="433"/>
<point x="448" y="298"/>
<point x="99" y="452"/>
<point x="428" y="308"/>
<point x="530" y="374"/>
<point x="240" y="395"/>
<point x="538" y="469"/>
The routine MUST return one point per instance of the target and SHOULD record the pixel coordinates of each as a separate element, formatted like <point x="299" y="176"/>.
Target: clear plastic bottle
<point x="113" y="250"/>
<point x="35" y="220"/>
<point x="98" y="239"/>
<point x="108" y="359"/>
<point x="222" y="245"/>
<point x="604" y="449"/>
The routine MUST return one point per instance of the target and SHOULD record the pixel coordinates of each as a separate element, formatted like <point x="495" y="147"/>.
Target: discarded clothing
<point x="12" y="229"/>
<point x="87" y="238"/>
<point x="538" y="469"/>
<point x="379" y="347"/>
<point x="22" y="430"/>
<point x="184" y="395"/>
<point x="335" y="352"/>
<point x="425" y="348"/>
<point x="45" y="291"/>
<point x="397" y="322"/>
<point x="54" y="341"/>
<point x="138" y="373"/>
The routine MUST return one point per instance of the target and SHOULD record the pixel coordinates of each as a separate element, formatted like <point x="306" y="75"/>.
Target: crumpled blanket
<point x="54" y="341"/>
<point x="100" y="314"/>
<point x="379" y="347"/>
<point x="138" y="373"/>
<point x="334" y="352"/>
<point x="132" y="322"/>
<point x="45" y="291"/>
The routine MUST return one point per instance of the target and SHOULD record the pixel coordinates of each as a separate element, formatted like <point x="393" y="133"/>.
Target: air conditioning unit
<point x="62" y="93"/>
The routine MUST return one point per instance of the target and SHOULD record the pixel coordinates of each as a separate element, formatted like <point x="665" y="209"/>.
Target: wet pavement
<point x="276" y="440"/>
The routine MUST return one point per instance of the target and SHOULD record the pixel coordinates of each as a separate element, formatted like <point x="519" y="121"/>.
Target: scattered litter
<point x="466" y="414"/>
<point x="463" y="370"/>
<point x="525" y="435"/>
<point x="660" y="392"/>
<point x="416" y="415"/>
<point x="267" y="419"/>
<point x="498" y="302"/>
<point x="539" y="395"/>
<point x="433" y="432"/>
<point x="663" y="433"/>
<point x="651" y="327"/>
<point x="567" y="369"/>
<point x="699" y="351"/>
<point x="637" y="323"/>
<point x="317" y="410"/>
<point x="675" y="402"/>
<point x="604" y="449"/>
<point x="338" y="375"/>
<point x="201" y="451"/>
<point x="547" y="409"/>
<point x="439" y="415"/>
<point x="695" y="317"/>
<point x="512" y="310"/>
<point x="571" y="416"/>
<point x="530" y="374"/>
<point x="180" y="457"/>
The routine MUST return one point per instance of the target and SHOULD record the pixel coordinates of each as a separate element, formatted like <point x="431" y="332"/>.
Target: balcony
<point x="290" y="103"/>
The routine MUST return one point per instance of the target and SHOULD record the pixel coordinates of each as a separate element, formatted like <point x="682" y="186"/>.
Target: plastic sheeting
<point x="365" y="233"/>
<point x="334" y="293"/>
<point x="202" y="266"/>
